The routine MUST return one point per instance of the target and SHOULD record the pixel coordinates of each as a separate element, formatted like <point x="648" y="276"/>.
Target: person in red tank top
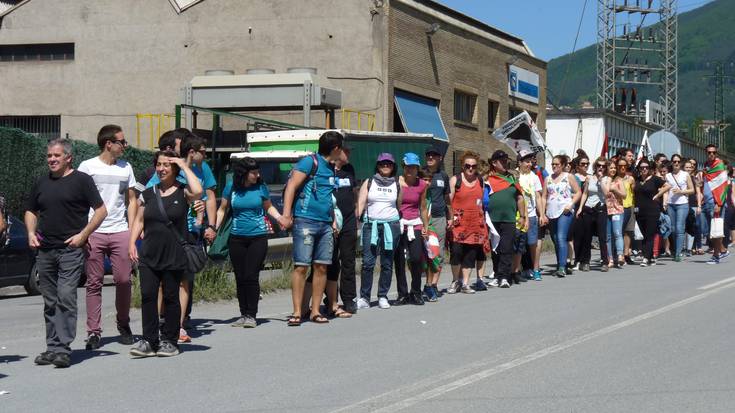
<point x="469" y="232"/>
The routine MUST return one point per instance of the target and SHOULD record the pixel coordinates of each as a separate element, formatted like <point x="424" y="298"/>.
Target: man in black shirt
<point x="343" y="269"/>
<point x="440" y="215"/>
<point x="57" y="222"/>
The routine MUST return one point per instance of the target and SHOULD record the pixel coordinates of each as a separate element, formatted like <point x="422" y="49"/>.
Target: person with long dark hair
<point x="561" y="193"/>
<point x="678" y="202"/>
<point x="648" y="190"/>
<point x="579" y="168"/>
<point x="248" y="198"/>
<point x="162" y="260"/>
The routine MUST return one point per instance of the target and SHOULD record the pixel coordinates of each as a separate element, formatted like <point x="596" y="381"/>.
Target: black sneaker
<point x="62" y="360"/>
<point x="126" y="335"/>
<point x="479" y="285"/>
<point x="415" y="298"/>
<point x="629" y="260"/>
<point x="401" y="300"/>
<point x="45" y="358"/>
<point x="93" y="342"/>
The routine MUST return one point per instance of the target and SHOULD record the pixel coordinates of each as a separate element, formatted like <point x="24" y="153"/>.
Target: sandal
<point x="319" y="319"/>
<point x="340" y="313"/>
<point x="293" y="320"/>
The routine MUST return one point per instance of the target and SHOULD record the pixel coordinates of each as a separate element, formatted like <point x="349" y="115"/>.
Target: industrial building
<point x="401" y="65"/>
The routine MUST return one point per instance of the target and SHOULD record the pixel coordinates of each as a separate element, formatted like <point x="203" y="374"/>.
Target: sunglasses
<point x="122" y="142"/>
<point x="384" y="164"/>
<point x="555" y="164"/>
<point x="601" y="165"/>
<point x="470" y="166"/>
<point x="584" y="164"/>
<point x="675" y="161"/>
<point x="711" y="152"/>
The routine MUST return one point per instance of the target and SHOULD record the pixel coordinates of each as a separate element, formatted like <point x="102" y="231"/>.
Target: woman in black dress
<point x="648" y="190"/>
<point x="162" y="260"/>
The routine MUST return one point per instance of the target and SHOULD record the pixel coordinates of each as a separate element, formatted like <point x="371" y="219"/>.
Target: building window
<point x="47" y="127"/>
<point x="492" y="113"/>
<point x="36" y="52"/>
<point x="464" y="107"/>
<point x="513" y="112"/>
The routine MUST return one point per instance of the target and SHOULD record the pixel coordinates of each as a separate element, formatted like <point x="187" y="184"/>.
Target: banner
<point x="521" y="133"/>
<point x="644" y="149"/>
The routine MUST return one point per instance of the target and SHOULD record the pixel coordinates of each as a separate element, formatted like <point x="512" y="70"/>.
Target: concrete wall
<point x="133" y="56"/>
<point x="453" y="59"/>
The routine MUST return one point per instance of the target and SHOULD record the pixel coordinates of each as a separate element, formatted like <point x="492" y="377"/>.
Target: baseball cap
<point x="525" y="153"/>
<point x="385" y="156"/>
<point x="433" y="149"/>
<point x="410" y="158"/>
<point x="499" y="154"/>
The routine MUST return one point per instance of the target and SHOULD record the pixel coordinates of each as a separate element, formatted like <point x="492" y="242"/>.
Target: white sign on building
<point x="655" y="113"/>
<point x="523" y="84"/>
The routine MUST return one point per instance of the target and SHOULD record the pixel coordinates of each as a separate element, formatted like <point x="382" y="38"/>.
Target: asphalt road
<point x="656" y="339"/>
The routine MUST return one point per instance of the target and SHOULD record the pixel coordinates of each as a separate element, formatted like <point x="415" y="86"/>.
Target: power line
<point x="574" y="49"/>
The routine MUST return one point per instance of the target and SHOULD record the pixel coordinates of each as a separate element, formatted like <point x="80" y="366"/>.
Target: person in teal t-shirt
<point x="249" y="200"/>
<point x="310" y="198"/>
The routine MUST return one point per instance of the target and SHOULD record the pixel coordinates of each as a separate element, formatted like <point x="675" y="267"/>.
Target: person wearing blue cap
<point x="414" y="227"/>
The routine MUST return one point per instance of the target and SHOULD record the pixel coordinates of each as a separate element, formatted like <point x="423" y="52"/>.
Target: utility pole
<point x="719" y="118"/>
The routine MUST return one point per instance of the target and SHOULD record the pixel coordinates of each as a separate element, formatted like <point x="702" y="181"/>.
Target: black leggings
<point x="247" y="255"/>
<point x="649" y="228"/>
<point x="150" y="279"/>
<point x="593" y="221"/>
<point x="416" y="254"/>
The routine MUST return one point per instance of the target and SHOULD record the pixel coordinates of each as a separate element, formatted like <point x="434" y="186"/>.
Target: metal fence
<point x="47" y="127"/>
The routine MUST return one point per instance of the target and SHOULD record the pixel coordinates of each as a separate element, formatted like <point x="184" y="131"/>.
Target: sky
<point x="549" y="27"/>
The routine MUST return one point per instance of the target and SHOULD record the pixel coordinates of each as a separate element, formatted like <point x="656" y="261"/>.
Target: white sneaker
<point x="454" y="287"/>
<point x="504" y="284"/>
<point x="383" y="303"/>
<point x="493" y="283"/>
<point x="362" y="304"/>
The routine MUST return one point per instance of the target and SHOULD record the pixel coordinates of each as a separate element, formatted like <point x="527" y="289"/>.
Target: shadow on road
<point x="10" y="359"/>
<point x="193" y="347"/>
<point x="78" y="356"/>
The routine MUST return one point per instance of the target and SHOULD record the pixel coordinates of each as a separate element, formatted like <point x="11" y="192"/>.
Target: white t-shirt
<point x="112" y="182"/>
<point x="677" y="181"/>
<point x="530" y="184"/>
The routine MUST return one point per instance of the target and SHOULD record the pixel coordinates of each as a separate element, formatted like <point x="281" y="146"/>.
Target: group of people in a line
<point x="76" y="217"/>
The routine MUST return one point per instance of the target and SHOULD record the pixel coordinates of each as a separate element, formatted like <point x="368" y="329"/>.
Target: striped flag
<point x="716" y="178"/>
<point x="644" y="150"/>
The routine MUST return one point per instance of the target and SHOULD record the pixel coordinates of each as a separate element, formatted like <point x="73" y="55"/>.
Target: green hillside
<point x="706" y="34"/>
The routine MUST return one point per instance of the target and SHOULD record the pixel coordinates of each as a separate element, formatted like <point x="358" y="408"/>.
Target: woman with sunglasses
<point x="560" y="193"/>
<point x="614" y="201"/>
<point x="469" y="232"/>
<point x="579" y="167"/>
<point x="648" y="191"/>
<point x="377" y="207"/>
<point x="681" y="186"/>
<point x="592" y="217"/>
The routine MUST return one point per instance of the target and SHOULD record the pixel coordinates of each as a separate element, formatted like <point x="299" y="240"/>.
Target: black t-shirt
<point x="344" y="193"/>
<point x="644" y="193"/>
<point x="161" y="249"/>
<point x="438" y="189"/>
<point x="63" y="206"/>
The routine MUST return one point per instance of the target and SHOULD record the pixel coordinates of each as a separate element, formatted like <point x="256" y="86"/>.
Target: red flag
<point x="604" y="147"/>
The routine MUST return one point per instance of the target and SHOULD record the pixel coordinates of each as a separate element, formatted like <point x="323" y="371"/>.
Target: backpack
<point x="312" y="173"/>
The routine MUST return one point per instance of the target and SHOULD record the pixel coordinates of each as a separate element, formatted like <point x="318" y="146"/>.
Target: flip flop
<point x="293" y="320"/>
<point x="319" y="319"/>
<point x="341" y="313"/>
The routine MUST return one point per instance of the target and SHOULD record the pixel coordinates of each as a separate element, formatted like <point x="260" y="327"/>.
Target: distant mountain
<point x="706" y="34"/>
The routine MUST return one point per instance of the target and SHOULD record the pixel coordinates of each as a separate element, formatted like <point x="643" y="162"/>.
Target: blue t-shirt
<point x="248" y="215"/>
<point x="315" y="203"/>
<point x="206" y="179"/>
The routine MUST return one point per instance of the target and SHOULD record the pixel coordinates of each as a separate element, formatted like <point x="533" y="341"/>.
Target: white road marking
<point x="715" y="284"/>
<point x="438" y="390"/>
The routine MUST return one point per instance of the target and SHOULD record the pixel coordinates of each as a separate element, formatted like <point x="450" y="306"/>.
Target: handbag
<point x="196" y="258"/>
<point x="691" y="223"/>
<point x="220" y="247"/>
<point x="717" y="228"/>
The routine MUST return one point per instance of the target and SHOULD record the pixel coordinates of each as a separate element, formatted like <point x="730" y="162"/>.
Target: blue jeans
<point x="615" y="232"/>
<point x="532" y="234"/>
<point x="369" y="256"/>
<point x="313" y="242"/>
<point x="678" y="214"/>
<point x="559" y="231"/>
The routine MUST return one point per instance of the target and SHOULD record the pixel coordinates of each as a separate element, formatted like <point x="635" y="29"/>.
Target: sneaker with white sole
<point x="493" y="283"/>
<point x="142" y="349"/>
<point x="504" y="283"/>
<point x="714" y="260"/>
<point x="454" y="287"/>
<point x="466" y="289"/>
<point x="724" y="255"/>
<point x="383" y="303"/>
<point x="362" y="304"/>
<point x="167" y="349"/>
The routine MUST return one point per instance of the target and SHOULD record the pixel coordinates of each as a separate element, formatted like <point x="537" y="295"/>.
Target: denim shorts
<point x="532" y="234"/>
<point x="313" y="242"/>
